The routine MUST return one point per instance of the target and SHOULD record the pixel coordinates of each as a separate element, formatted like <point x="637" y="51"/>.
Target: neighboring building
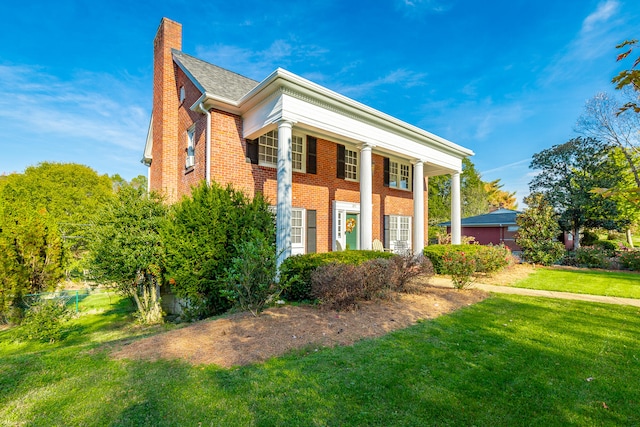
<point x="340" y="173"/>
<point x="494" y="228"/>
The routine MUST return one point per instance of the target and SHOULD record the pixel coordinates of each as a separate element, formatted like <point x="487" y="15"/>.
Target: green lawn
<point x="507" y="361"/>
<point x="584" y="281"/>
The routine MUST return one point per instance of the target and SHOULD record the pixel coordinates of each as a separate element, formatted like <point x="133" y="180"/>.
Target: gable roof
<point x="212" y="79"/>
<point x="497" y="218"/>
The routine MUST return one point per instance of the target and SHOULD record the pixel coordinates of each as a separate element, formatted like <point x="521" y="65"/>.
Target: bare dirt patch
<point x="240" y="338"/>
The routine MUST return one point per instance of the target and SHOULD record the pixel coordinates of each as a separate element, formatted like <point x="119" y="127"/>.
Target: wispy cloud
<point x="602" y="14"/>
<point x="508" y="166"/>
<point x="91" y="113"/>
<point x="401" y="77"/>
<point x="259" y="63"/>
<point x="419" y="8"/>
<point x="595" y="40"/>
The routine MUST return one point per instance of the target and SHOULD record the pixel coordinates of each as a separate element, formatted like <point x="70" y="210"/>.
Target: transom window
<point x="399" y="175"/>
<point x="350" y="164"/>
<point x="268" y="150"/>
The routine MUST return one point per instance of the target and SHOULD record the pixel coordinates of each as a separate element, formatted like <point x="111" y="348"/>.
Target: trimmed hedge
<point x="488" y="258"/>
<point x="298" y="269"/>
<point x="631" y="260"/>
<point x="436" y="253"/>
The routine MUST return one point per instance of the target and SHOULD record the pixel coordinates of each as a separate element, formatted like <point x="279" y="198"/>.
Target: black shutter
<point x="311" y="154"/>
<point x="341" y="155"/>
<point x="311" y="232"/>
<point x="252" y="151"/>
<point x="410" y="183"/>
<point x="386" y="171"/>
<point x="386" y="234"/>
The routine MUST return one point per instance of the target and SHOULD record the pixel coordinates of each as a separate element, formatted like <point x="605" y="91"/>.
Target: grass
<point x="508" y="361"/>
<point x="584" y="281"/>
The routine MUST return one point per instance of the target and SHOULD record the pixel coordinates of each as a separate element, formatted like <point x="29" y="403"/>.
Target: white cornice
<point x="285" y="82"/>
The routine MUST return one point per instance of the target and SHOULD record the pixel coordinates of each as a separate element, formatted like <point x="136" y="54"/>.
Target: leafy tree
<point x="126" y="248"/>
<point x="31" y="256"/>
<point x="499" y="198"/>
<point x="568" y="174"/>
<point x="602" y="120"/>
<point x="628" y="78"/>
<point x="70" y="193"/>
<point x="538" y="231"/>
<point x="202" y="238"/>
<point x="473" y="196"/>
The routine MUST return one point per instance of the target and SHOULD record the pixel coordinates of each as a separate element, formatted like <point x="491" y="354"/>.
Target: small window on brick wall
<point x="347" y="166"/>
<point x="268" y="151"/>
<point x="191" y="148"/>
<point x="397" y="174"/>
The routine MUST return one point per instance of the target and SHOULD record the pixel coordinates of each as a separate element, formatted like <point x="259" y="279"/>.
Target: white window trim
<point x="340" y="211"/>
<point x="392" y="243"/>
<point x="296" y="248"/>
<point x="191" y="147"/>
<point x="299" y="248"/>
<point x="398" y="163"/>
<point x="358" y="161"/>
<point x="274" y="164"/>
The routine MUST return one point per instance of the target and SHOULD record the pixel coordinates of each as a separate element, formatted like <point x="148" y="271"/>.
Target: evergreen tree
<point x="538" y="232"/>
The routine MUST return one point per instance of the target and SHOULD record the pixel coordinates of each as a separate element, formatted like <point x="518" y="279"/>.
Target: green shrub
<point x="251" y="278"/>
<point x="588" y="238"/>
<point x="608" y="246"/>
<point x="569" y="259"/>
<point x="488" y="258"/>
<point x="591" y="257"/>
<point x="460" y="265"/>
<point x="491" y="259"/>
<point x="201" y="238"/>
<point x="435" y="253"/>
<point x="631" y="260"/>
<point x="296" y="270"/>
<point x="45" y="321"/>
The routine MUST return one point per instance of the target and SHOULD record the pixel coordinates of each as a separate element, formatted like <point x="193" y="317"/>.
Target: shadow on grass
<point x="508" y="360"/>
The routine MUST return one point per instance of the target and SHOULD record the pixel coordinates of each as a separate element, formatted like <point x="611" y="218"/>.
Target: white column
<point x="366" y="198"/>
<point x="456" y="229"/>
<point x="284" y="198"/>
<point x="418" y="207"/>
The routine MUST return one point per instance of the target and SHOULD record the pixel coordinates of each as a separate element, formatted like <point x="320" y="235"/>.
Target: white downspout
<point x="207" y="156"/>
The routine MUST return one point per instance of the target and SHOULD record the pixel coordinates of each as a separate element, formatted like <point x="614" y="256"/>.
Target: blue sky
<point x="504" y="78"/>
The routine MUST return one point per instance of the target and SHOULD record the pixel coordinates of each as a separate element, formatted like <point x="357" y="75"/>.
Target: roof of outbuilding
<point x="213" y="79"/>
<point x="500" y="217"/>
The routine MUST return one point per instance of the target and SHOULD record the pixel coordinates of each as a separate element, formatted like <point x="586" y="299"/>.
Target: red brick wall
<point x="172" y="119"/>
<point x="165" y="109"/>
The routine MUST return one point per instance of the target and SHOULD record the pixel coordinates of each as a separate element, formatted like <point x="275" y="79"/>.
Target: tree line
<point x="593" y="181"/>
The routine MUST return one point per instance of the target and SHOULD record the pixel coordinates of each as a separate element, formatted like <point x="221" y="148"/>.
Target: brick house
<point x="340" y="174"/>
<point x="492" y="228"/>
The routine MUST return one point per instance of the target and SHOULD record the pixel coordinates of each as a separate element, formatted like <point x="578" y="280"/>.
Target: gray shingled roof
<point x="213" y="79"/>
<point x="498" y="217"/>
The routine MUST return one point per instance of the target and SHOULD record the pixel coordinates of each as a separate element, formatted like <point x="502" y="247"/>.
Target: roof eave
<point x="283" y="78"/>
<point x="218" y="102"/>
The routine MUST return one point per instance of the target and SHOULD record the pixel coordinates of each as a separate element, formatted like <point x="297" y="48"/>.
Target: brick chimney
<point x="165" y="167"/>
